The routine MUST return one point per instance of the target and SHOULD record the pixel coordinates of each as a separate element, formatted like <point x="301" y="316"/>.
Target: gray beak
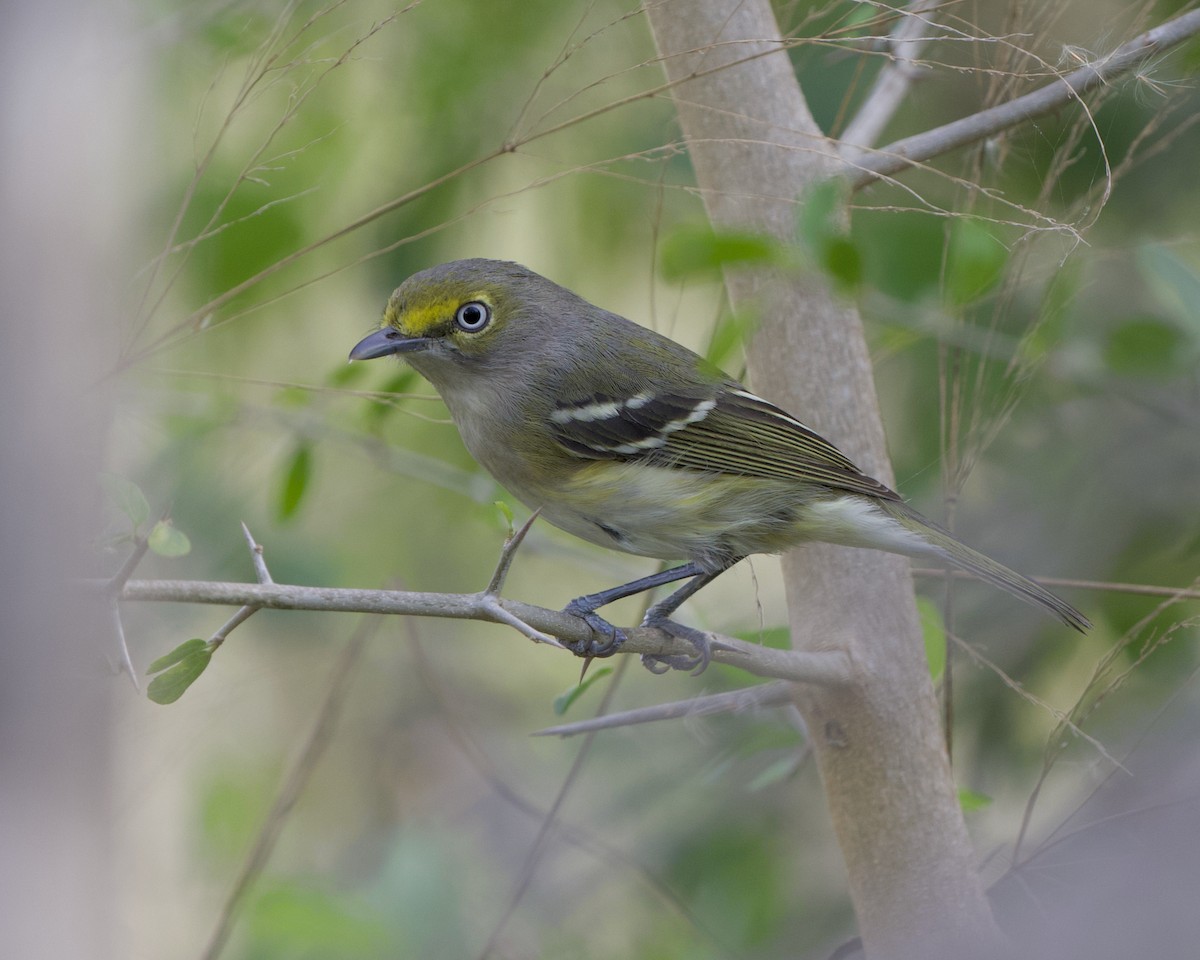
<point x="387" y="341"/>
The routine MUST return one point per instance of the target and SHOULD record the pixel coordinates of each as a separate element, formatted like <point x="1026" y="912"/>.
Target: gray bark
<point x="755" y="147"/>
<point x="64" y="149"/>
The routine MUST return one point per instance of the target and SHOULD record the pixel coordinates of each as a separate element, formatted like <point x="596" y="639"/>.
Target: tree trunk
<point x="755" y="147"/>
<point x="64" y="136"/>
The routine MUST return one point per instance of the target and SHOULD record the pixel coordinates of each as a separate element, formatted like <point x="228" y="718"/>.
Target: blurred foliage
<point x="1037" y="347"/>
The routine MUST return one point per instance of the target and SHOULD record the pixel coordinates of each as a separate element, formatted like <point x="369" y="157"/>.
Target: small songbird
<point x="630" y="440"/>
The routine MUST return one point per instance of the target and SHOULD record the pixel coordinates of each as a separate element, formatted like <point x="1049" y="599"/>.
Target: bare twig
<point x="911" y="151"/>
<point x="774" y="694"/>
<point x="893" y="81"/>
<point x="490" y="598"/>
<point x="830" y="667"/>
<point x="113" y="590"/>
<point x="246" y="612"/>
<point x="508" y="552"/>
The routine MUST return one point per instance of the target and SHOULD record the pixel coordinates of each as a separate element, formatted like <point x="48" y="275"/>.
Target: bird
<point x="629" y="440"/>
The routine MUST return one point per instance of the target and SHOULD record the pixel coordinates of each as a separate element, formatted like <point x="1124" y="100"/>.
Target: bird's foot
<point x="697" y="664"/>
<point x="605" y="640"/>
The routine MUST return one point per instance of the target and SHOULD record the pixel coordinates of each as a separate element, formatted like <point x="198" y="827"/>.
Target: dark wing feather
<point x="722" y="429"/>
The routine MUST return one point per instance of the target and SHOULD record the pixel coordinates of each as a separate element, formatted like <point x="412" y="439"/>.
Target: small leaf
<point x="843" y="262"/>
<point x="823" y="228"/>
<point x="295" y="481"/>
<point x="975" y="262"/>
<point x="172" y="658"/>
<point x="934" y="632"/>
<point x="969" y="800"/>
<point x="127" y="497"/>
<point x="693" y="251"/>
<point x="167" y="540"/>
<point x="170" y="685"/>
<point x="562" y="703"/>
<point x="506" y="515"/>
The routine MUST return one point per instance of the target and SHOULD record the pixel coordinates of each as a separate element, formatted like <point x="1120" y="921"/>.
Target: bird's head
<point x="468" y="314"/>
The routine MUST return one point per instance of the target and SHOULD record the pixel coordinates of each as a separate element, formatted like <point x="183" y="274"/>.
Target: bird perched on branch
<point x="629" y="440"/>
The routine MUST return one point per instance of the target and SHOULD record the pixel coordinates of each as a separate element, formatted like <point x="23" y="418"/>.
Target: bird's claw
<point x="605" y="640"/>
<point x="696" y="665"/>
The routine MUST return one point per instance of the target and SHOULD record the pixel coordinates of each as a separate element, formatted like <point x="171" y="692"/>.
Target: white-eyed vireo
<point x="629" y="440"/>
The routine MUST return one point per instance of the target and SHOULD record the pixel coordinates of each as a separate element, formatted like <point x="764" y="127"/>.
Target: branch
<point x="732" y="701"/>
<point x="910" y="151"/>
<point x="906" y="42"/>
<point x="831" y="667"/>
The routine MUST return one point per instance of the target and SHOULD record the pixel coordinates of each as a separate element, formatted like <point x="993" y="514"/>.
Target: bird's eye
<point x="473" y="317"/>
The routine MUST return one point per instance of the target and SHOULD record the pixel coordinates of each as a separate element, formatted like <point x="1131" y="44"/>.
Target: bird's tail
<point x="944" y="545"/>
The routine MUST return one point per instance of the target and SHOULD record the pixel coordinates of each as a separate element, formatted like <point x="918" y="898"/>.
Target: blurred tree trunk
<point x="755" y="148"/>
<point x="63" y="123"/>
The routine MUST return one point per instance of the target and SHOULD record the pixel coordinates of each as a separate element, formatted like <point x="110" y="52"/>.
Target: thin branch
<point x="913" y="150"/>
<point x="113" y="591"/>
<point x="892" y="83"/>
<point x="508" y="552"/>
<point x="775" y="694"/>
<point x="244" y="613"/>
<point x="828" y="668"/>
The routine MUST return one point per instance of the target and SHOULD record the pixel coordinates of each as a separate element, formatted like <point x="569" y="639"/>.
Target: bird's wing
<point x="718" y="428"/>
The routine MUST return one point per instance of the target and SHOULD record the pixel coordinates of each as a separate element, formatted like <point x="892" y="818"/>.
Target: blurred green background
<point x="1067" y="312"/>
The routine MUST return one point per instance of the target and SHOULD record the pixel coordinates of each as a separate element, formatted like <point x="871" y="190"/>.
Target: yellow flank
<point x="420" y="319"/>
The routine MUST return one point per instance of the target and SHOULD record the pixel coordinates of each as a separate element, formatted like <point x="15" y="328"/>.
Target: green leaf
<point x="506" y="514"/>
<point x="701" y="251"/>
<point x="167" y="540"/>
<point x="823" y="228"/>
<point x="170" y="685"/>
<point x="295" y="481"/>
<point x="172" y="658"/>
<point x="563" y="702"/>
<point x="127" y="497"/>
<point x="975" y="262"/>
<point x="287" y="920"/>
<point x="969" y="800"/>
<point x="933" y="629"/>
<point x="1146" y="347"/>
<point x="843" y="262"/>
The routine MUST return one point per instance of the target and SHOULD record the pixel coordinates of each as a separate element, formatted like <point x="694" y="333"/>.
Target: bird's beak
<point x="387" y="341"/>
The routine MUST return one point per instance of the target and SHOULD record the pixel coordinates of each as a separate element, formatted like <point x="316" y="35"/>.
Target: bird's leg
<point x="659" y="616"/>
<point x="585" y="608"/>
